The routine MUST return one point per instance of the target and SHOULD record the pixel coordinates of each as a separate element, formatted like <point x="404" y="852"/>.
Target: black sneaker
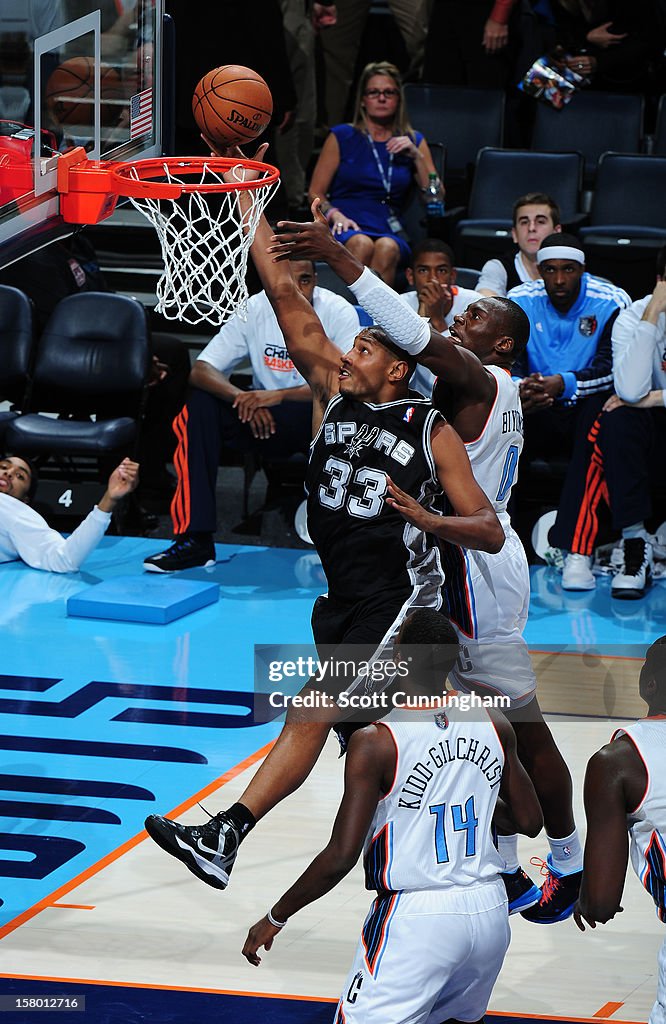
<point x="558" y="895"/>
<point x="635" y="576"/>
<point x="184" y="553"/>
<point x="209" y="850"/>
<point x="520" y="890"/>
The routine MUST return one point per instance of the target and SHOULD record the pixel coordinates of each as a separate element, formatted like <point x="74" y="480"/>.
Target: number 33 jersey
<point x="433" y="829"/>
<point x="365" y="545"/>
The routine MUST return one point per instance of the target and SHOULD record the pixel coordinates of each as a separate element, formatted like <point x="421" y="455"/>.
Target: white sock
<point x="507" y="847"/>
<point x="635" y="530"/>
<point x="567" y="853"/>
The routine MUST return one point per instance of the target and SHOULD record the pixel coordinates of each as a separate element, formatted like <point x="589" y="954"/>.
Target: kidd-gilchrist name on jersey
<point x="365" y="545"/>
<point x="433" y="829"/>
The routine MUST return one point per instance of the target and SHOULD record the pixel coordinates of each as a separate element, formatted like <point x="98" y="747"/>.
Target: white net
<point x="205" y="239"/>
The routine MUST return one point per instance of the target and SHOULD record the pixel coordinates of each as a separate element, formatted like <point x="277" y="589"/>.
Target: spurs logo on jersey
<point x="361" y="439"/>
<point x="357" y="446"/>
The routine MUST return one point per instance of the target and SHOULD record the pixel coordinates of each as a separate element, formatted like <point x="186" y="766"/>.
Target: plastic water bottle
<point x="434" y="204"/>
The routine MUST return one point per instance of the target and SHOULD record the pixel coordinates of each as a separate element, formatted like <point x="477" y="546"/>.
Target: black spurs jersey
<point x="365" y="545"/>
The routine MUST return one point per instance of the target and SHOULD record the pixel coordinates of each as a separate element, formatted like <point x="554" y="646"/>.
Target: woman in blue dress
<point x="366" y="170"/>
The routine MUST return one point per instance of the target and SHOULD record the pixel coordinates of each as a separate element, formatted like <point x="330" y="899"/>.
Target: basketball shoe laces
<point x="551" y="884"/>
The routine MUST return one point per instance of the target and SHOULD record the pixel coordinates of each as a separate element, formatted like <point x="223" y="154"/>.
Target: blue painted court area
<point x="105" y="722"/>
<point x="129" y="1004"/>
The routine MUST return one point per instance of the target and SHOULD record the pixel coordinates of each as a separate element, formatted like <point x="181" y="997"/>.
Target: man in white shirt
<point x="25" y="535"/>
<point x="629" y="440"/>
<point x="436" y="295"/>
<point x="274" y="417"/>
<point x="535" y="215"/>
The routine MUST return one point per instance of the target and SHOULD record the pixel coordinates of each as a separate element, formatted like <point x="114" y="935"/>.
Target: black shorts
<point x="351" y="634"/>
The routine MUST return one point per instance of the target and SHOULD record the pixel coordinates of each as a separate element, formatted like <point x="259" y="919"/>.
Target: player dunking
<point x="487" y="594"/>
<point x="420" y="792"/>
<point x="625" y="804"/>
<point x="366" y="424"/>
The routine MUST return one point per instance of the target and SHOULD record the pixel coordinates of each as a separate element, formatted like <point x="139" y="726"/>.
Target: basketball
<point x="232" y="105"/>
<point x="70" y="92"/>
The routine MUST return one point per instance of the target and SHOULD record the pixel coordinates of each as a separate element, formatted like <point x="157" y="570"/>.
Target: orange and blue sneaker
<point x="559" y="893"/>
<point x="521" y="891"/>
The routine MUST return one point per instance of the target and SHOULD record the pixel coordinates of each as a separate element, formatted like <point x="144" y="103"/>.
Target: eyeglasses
<point x="386" y="93"/>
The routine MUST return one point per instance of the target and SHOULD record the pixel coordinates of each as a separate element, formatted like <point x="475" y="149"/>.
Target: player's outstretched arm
<point x="607" y="841"/>
<point x="409" y="330"/>
<point x="365" y="771"/>
<point x="313" y="353"/>
<point x="475" y="524"/>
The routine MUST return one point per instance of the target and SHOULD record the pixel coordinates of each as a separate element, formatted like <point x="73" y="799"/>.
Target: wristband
<point x="276" y="924"/>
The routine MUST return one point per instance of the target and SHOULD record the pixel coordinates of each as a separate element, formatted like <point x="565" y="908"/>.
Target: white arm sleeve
<point x="43" y="548"/>
<point x="407" y="329"/>
<point x="634" y="343"/>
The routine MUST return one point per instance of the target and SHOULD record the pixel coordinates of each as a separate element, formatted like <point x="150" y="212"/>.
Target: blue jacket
<point x="575" y="344"/>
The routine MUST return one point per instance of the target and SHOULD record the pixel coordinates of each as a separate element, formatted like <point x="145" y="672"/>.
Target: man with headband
<point x="566" y="374"/>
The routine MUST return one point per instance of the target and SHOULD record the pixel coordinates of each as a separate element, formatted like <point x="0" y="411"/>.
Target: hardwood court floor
<point x="105" y="722"/>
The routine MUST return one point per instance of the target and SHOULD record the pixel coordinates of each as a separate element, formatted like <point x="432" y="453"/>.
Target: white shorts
<point x="427" y="956"/>
<point x="494" y="654"/>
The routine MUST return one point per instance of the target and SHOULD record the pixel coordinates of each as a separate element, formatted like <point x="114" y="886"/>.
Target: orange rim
<point x="138" y="179"/>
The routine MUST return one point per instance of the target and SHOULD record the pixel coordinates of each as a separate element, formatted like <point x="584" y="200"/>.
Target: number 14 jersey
<point x="433" y="829"/>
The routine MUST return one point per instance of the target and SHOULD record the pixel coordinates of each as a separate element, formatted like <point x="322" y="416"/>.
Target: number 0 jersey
<point x="433" y="829"/>
<point x="364" y="544"/>
<point x="647" y="824"/>
<point x="494" y="454"/>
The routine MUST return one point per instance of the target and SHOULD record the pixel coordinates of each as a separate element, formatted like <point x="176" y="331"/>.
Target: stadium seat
<point x="16" y="349"/>
<point x="591" y="124"/>
<point x="659" y="144"/>
<point x="627" y="220"/>
<point x="92" y="360"/>
<point x="463" y="120"/>
<point x="501" y="176"/>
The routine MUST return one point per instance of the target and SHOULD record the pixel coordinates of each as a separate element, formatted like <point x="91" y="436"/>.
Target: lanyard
<point x="386" y="182"/>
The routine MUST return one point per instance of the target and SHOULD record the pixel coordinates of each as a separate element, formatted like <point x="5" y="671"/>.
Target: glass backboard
<point x="73" y="73"/>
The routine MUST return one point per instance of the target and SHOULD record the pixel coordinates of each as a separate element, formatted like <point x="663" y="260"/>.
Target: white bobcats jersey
<point x="433" y="830"/>
<point x="647" y="824"/>
<point x="494" y="454"/>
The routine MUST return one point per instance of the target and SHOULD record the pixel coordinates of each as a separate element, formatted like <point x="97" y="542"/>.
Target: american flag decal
<point x="141" y="113"/>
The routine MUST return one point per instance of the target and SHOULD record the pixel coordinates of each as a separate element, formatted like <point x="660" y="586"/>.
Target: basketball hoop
<point x="205" y="233"/>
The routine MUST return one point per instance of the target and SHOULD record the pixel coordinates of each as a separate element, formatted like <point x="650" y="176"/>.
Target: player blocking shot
<point x="367" y="426"/>
<point x="486" y="594"/>
<point x="421" y="790"/>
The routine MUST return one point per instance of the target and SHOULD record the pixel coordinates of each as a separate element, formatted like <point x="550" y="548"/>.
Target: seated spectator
<point x="273" y="418"/>
<point x="26" y="535"/>
<point x="628" y="443"/>
<point x="566" y="369"/>
<point x="436" y="296"/>
<point x="608" y="42"/>
<point x="367" y="169"/>
<point x="468" y="43"/>
<point x="535" y="215"/>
